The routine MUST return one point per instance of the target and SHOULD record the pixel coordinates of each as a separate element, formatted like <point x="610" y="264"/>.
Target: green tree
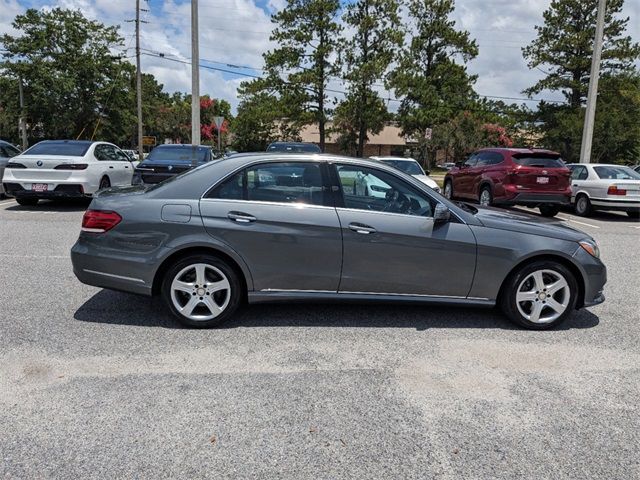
<point x="432" y="85"/>
<point x="564" y="47"/>
<point x="70" y="74"/>
<point x="367" y="55"/>
<point x="298" y="71"/>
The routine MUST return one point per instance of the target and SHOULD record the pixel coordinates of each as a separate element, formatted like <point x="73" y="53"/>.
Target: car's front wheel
<point x="486" y="198"/>
<point x="202" y="290"/>
<point x="540" y="295"/>
<point x="448" y="189"/>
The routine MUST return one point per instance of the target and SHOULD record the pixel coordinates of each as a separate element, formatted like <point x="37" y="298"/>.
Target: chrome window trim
<point x="262" y="202"/>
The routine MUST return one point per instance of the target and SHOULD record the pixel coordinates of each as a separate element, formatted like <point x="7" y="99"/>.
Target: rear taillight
<point x="15" y="165"/>
<point x="614" y="190"/>
<point x="72" y="166"/>
<point x="99" y="221"/>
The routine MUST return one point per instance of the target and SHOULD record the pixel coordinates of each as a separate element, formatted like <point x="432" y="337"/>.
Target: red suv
<point x="512" y="176"/>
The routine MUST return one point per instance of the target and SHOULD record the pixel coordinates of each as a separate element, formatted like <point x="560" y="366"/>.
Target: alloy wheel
<point x="200" y="292"/>
<point x="543" y="296"/>
<point x="447" y="190"/>
<point x="485" y="197"/>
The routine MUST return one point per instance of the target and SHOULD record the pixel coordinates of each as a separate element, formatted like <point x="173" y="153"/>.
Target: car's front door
<point x="463" y="179"/>
<point x="392" y="245"/>
<point x="279" y="217"/>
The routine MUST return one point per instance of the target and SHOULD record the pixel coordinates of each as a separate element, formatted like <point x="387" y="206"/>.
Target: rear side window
<point x="543" y="161"/>
<point x="276" y="182"/>
<point x="579" y="173"/>
<point x="71" y="149"/>
<point x="611" y="172"/>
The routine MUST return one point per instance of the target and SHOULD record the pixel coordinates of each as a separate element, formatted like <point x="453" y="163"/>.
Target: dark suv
<point x="512" y="176"/>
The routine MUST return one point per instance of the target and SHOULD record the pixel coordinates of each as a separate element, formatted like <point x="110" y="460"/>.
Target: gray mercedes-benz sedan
<point x="292" y="227"/>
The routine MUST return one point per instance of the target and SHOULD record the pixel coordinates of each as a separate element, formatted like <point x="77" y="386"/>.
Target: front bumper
<point x="594" y="275"/>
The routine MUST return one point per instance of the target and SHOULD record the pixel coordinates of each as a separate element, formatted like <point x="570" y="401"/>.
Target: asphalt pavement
<point x="101" y="384"/>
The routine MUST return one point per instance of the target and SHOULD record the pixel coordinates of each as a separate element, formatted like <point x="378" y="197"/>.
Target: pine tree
<point x="367" y="55"/>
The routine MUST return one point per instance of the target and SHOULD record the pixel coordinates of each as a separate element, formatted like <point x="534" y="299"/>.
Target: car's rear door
<point x="279" y="217"/>
<point x="392" y="246"/>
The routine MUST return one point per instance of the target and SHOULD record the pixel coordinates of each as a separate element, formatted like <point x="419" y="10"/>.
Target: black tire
<point x="448" y="183"/>
<point x="27" y="202"/>
<point x="635" y="214"/>
<point x="485" y="190"/>
<point x="104" y="183"/>
<point x="583" y="206"/>
<point x="508" y="302"/>
<point x="549" y="210"/>
<point x="235" y="294"/>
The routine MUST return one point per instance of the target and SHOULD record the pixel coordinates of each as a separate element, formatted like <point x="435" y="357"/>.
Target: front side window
<point x="291" y="182"/>
<point x="579" y="173"/>
<point x="471" y="161"/>
<point x="369" y="189"/>
<point x="8" y="151"/>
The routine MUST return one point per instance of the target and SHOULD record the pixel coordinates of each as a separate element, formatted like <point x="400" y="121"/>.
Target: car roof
<point x="598" y="165"/>
<point x="518" y="150"/>
<point x="401" y="159"/>
<point x="182" y="145"/>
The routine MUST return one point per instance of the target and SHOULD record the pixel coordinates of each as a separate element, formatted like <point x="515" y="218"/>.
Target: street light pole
<point x="195" y="76"/>
<point x="592" y="95"/>
<point x="21" y="122"/>
<point x="139" y="83"/>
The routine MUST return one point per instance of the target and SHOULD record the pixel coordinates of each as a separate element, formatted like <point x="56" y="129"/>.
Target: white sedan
<point x="410" y="167"/>
<point x="599" y="186"/>
<point x="64" y="169"/>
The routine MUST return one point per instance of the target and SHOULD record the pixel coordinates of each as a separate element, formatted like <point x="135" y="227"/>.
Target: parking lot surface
<point x="98" y="384"/>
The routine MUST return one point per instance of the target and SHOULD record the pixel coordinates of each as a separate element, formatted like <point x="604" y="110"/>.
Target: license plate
<point x="542" y="180"/>
<point x="39" y="187"/>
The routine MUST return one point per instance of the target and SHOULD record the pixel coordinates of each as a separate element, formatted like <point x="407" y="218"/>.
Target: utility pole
<point x="195" y="76"/>
<point x="592" y="95"/>
<point x="139" y="83"/>
<point x="21" y="122"/>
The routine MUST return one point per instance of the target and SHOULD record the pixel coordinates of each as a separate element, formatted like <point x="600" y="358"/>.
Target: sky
<point x="235" y="33"/>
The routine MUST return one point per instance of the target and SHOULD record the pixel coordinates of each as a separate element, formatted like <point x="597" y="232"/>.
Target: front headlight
<point x="591" y="247"/>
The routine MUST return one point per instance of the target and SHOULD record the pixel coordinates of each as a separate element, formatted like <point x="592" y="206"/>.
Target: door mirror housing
<point x="427" y="172"/>
<point x="441" y="214"/>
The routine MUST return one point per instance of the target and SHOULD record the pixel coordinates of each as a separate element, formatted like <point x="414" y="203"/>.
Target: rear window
<point x="616" y="173"/>
<point x="543" y="161"/>
<point x="70" y="149"/>
<point x="178" y="154"/>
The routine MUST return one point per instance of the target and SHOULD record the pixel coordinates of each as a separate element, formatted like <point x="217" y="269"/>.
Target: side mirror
<point x="427" y="172"/>
<point x="442" y="214"/>
<point x="459" y="164"/>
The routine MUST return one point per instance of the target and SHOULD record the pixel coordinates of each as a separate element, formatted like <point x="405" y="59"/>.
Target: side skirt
<point x="283" y="296"/>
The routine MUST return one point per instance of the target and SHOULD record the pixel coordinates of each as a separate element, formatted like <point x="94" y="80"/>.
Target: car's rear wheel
<point x="583" y="205"/>
<point x="540" y="295"/>
<point x="27" y="202"/>
<point x="202" y="290"/>
<point x="486" y="198"/>
<point x="104" y="183"/>
<point x="448" y="189"/>
<point x="549" y="210"/>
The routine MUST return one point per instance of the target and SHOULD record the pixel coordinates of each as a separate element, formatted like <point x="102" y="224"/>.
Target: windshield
<point x="69" y="149"/>
<point x="173" y="178"/>
<point x="410" y="167"/>
<point x="543" y="161"/>
<point x="181" y="154"/>
<point x="294" y="148"/>
<point x="466" y="207"/>
<point x="616" y="173"/>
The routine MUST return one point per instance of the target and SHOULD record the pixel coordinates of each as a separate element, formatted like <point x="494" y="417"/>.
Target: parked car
<point x="134" y="155"/>
<point x="599" y="186"/>
<point x="65" y="169"/>
<point x="7" y="151"/>
<point x="637" y="168"/>
<point x="447" y="165"/>
<point x="166" y="161"/>
<point x="283" y="227"/>
<point x="410" y="167"/>
<point x="294" y="147"/>
<point x="512" y="176"/>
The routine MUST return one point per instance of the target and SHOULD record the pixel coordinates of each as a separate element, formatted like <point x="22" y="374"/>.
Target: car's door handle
<point x="361" y="228"/>
<point x="110" y="166"/>
<point x="126" y="166"/>
<point x="241" y="217"/>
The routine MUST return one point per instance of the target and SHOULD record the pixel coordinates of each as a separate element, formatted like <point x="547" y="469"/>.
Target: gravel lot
<point x="104" y="384"/>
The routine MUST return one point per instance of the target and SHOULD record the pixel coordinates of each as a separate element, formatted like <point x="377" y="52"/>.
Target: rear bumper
<point x="535" y="199"/>
<point x="70" y="190"/>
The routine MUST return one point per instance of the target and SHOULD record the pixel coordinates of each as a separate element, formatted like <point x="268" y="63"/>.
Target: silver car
<point x="411" y="167"/>
<point x="293" y="227"/>
<point x="600" y="186"/>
